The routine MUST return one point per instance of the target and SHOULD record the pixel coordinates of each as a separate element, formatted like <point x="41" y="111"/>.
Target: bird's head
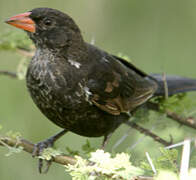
<point x="47" y="27"/>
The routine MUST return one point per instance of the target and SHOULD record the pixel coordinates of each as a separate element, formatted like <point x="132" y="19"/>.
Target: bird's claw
<point x="40" y="166"/>
<point x="38" y="150"/>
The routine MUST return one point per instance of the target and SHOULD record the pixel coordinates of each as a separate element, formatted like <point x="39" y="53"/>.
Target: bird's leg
<point x="105" y="140"/>
<point x="39" y="148"/>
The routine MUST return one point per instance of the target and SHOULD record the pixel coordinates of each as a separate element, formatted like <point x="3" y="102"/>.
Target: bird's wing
<point x="116" y="87"/>
<point x="131" y="66"/>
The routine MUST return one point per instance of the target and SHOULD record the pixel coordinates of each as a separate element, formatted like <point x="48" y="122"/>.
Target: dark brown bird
<point x="79" y="87"/>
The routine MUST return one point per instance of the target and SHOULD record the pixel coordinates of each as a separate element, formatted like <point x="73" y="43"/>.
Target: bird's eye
<point x="47" y="22"/>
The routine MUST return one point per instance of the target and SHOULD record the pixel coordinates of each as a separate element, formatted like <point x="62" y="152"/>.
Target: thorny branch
<point x="148" y="133"/>
<point x="60" y="159"/>
<point x="28" y="147"/>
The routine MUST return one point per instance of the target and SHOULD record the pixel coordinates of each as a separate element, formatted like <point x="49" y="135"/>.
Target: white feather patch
<point x="74" y="63"/>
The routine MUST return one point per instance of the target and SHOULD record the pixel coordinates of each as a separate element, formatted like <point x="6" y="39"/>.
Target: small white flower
<point x="100" y="156"/>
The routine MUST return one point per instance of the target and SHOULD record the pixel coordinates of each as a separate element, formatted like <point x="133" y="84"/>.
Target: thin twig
<point x="142" y="138"/>
<point x="148" y="133"/>
<point x="8" y="73"/>
<point x="187" y="121"/>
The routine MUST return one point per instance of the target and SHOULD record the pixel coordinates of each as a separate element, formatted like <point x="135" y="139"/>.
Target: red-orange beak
<point x="22" y="21"/>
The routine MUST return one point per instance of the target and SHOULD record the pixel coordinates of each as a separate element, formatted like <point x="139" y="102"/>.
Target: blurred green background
<point x="158" y="35"/>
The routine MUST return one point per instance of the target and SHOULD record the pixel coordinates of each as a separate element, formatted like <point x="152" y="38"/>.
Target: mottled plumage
<point x="85" y="100"/>
<point x="76" y="85"/>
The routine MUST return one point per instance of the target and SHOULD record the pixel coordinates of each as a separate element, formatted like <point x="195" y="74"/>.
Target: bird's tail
<point x="173" y="84"/>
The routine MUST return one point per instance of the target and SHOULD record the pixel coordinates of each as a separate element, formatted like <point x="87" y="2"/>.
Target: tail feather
<point x="175" y="84"/>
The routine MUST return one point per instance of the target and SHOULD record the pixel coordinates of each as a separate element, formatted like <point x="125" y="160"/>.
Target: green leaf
<point x="72" y="152"/>
<point x="174" y="103"/>
<point x="14" y="135"/>
<point x="166" y="161"/>
<point x="49" y="153"/>
<point x="13" y="150"/>
<point x="87" y="148"/>
<point x="12" y="40"/>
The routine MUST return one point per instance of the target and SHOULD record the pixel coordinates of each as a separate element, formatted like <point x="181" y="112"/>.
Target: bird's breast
<point x="49" y="82"/>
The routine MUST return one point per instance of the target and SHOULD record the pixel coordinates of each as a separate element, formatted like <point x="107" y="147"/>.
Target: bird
<point x="80" y="87"/>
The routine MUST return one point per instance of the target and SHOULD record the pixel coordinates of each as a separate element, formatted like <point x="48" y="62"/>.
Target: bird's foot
<point x="38" y="150"/>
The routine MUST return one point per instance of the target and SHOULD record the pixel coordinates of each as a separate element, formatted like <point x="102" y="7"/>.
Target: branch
<point x="28" y="147"/>
<point x="148" y="133"/>
<point x="8" y="73"/>
<point x="60" y="159"/>
<point x="187" y="121"/>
